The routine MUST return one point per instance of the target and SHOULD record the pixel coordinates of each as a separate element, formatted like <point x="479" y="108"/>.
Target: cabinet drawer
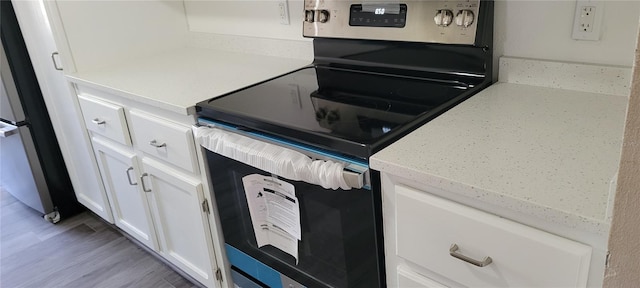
<point x="164" y="140"/>
<point x="408" y="278"/>
<point x="105" y="118"/>
<point x="428" y="227"/>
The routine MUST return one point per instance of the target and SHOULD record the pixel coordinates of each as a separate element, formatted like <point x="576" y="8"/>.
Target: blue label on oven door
<point x="258" y="270"/>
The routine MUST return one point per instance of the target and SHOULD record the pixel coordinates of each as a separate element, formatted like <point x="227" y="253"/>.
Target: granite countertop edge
<point x="395" y="160"/>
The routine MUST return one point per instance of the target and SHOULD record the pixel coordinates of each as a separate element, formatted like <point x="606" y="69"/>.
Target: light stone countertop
<point x="546" y="152"/>
<point x="177" y="80"/>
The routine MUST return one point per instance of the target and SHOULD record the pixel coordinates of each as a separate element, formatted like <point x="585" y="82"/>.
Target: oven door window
<point x="338" y="238"/>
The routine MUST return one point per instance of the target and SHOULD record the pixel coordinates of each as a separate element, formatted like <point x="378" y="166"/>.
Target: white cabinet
<point x="129" y="205"/>
<point x="148" y="164"/>
<point x="129" y="127"/>
<point x="63" y="108"/>
<point x="95" y="109"/>
<point x="177" y="209"/>
<point x="410" y="279"/>
<point x="105" y="119"/>
<point x="428" y="237"/>
<point x="164" y="140"/>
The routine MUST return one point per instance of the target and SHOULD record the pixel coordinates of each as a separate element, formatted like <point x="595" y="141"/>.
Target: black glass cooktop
<point x="348" y="111"/>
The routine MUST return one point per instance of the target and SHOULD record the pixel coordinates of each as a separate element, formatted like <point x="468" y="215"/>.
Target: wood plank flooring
<point x="82" y="251"/>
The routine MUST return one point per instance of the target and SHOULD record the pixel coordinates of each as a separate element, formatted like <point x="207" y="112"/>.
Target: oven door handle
<point x="281" y="161"/>
<point x="354" y="179"/>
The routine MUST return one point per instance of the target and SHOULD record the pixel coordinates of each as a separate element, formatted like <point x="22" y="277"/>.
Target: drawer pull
<point x="55" y="63"/>
<point x="453" y="251"/>
<point x="154" y="143"/>
<point x="129" y="177"/>
<point x="97" y="121"/>
<point x="144" y="188"/>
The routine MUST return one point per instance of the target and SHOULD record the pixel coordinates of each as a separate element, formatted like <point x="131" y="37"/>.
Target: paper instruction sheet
<point x="275" y="212"/>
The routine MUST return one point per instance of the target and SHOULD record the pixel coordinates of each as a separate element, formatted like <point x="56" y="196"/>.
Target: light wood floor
<point x="78" y="252"/>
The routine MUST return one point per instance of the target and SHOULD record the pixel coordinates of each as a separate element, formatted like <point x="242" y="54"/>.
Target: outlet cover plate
<point x="587" y="23"/>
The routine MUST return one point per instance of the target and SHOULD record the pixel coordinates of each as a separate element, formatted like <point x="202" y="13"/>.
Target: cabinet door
<point x="129" y="204"/>
<point x="180" y="221"/>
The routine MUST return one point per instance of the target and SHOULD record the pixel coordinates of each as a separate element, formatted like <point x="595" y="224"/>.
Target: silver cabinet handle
<point x="97" y="121"/>
<point x="154" y="143"/>
<point x="7" y="130"/>
<point x="55" y="63"/>
<point x="144" y="188"/>
<point x="129" y="176"/>
<point x="453" y="251"/>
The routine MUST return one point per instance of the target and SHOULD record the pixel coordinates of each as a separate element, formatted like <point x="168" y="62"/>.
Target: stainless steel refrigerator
<point x="31" y="165"/>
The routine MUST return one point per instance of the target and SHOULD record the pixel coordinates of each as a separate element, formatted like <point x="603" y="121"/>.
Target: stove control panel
<point x="378" y="15"/>
<point x="429" y="21"/>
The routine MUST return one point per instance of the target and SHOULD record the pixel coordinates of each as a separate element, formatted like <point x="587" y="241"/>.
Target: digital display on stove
<point x="378" y="15"/>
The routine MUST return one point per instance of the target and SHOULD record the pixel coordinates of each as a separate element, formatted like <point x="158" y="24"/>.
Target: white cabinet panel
<point x="427" y="227"/>
<point x="63" y="108"/>
<point x="164" y="140"/>
<point x="128" y="203"/>
<point x="410" y="279"/>
<point x="105" y="118"/>
<point x="177" y="206"/>
<point x="160" y="202"/>
<point x="97" y="202"/>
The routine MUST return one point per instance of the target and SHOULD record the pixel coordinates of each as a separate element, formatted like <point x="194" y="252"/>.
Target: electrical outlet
<point x="283" y="12"/>
<point x="587" y="20"/>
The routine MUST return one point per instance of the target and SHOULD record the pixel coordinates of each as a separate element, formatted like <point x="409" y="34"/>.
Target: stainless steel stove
<point x="381" y="69"/>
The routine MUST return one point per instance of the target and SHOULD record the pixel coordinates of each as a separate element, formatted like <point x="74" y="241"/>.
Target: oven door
<point x="338" y="244"/>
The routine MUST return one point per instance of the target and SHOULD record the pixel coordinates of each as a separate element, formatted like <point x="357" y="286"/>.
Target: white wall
<point x="539" y="29"/>
<point x="116" y="30"/>
<point x="103" y="33"/>
<point x="256" y="18"/>
<point x="542" y="30"/>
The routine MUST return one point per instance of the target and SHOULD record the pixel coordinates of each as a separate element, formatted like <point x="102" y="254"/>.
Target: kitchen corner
<point x="139" y="114"/>
<point x="530" y="148"/>
<point x="526" y="168"/>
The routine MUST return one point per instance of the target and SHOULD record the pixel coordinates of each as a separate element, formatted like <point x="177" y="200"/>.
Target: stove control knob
<point x="443" y="18"/>
<point x="308" y="16"/>
<point x="333" y="116"/>
<point x="321" y="114"/>
<point x="323" y="16"/>
<point x="464" y="18"/>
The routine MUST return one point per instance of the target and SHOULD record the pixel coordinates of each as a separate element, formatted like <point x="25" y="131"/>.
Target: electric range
<point x="381" y="69"/>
